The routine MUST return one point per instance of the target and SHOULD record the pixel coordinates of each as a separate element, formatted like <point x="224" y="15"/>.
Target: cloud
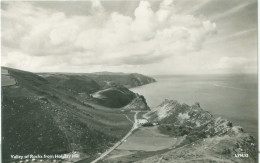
<point x="100" y="38"/>
<point x="236" y="65"/>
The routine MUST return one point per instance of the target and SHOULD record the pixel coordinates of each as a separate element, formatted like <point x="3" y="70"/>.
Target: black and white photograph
<point x="129" y="81"/>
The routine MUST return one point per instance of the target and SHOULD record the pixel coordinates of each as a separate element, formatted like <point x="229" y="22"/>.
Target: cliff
<point x="127" y="80"/>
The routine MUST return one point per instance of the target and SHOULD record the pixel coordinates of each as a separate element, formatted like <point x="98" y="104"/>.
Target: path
<point x="135" y="126"/>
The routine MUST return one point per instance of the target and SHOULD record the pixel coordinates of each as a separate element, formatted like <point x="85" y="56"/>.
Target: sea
<point x="231" y="96"/>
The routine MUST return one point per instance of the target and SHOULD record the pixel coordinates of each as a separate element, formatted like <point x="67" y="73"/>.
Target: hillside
<point x="57" y="114"/>
<point x="107" y="79"/>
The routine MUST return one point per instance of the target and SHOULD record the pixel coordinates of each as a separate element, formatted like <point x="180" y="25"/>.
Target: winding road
<point x="135" y="126"/>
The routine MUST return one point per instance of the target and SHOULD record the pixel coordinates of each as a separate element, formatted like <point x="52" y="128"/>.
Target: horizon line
<point x="174" y="74"/>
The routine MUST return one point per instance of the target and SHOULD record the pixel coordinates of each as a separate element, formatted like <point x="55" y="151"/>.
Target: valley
<point x="97" y="117"/>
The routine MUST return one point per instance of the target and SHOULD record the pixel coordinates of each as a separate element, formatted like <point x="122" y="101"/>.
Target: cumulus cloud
<point x="100" y="38"/>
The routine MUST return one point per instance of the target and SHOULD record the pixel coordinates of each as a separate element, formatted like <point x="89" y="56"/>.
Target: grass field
<point x="149" y="139"/>
<point x="144" y="142"/>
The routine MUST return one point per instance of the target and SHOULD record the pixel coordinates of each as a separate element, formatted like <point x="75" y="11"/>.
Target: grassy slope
<point x="40" y="117"/>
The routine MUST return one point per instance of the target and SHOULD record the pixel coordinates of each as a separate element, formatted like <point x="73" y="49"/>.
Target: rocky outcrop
<point x="138" y="103"/>
<point x="206" y="138"/>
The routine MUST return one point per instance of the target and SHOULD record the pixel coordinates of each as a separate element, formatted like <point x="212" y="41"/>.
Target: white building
<point x="141" y="121"/>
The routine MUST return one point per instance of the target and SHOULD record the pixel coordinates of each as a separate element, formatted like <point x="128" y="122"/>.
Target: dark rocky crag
<point x="207" y="138"/>
<point x="138" y="103"/>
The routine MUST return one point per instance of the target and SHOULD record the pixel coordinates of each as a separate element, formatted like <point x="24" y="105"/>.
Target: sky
<point x="150" y="37"/>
